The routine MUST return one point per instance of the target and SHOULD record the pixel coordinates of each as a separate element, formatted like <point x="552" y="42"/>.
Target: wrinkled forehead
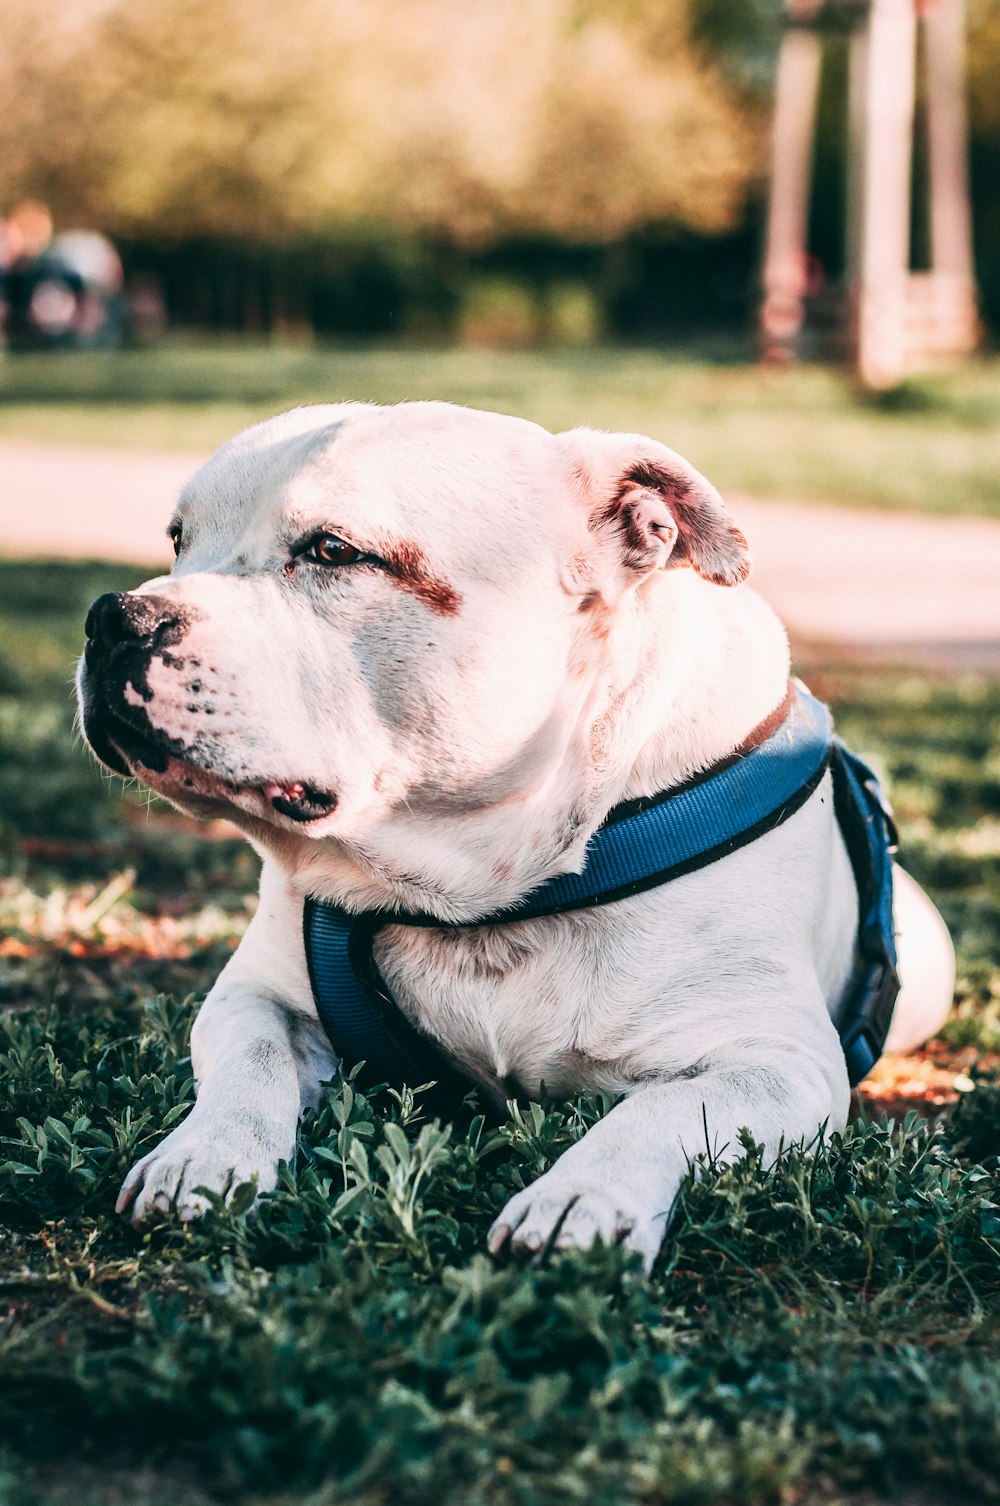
<point x="423" y="469"/>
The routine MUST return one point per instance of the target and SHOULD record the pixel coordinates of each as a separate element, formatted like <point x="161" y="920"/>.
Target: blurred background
<point x="541" y="172"/>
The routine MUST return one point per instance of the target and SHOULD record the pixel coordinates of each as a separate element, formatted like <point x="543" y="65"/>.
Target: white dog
<point x="418" y="654"/>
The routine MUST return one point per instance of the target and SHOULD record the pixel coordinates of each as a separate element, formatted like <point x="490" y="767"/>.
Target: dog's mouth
<point x="121" y="745"/>
<point x="175" y="770"/>
<point x="299" y="802"/>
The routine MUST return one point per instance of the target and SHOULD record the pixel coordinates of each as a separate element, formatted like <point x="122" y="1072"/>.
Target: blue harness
<point x="641" y="844"/>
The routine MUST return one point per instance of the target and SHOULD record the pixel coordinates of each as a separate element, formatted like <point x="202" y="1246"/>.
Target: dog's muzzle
<point x="124" y="631"/>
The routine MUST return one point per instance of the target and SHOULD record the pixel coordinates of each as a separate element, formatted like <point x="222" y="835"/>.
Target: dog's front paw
<point x="559" y="1212"/>
<point x="194" y="1155"/>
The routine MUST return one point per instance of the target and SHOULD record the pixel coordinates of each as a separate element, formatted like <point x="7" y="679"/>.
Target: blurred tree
<point x="169" y="117"/>
<point x="984" y="67"/>
<point x="582" y="119"/>
<point x="984" y="124"/>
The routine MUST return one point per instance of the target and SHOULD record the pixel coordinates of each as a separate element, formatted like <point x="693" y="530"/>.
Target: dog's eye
<point x="176" y="538"/>
<point x="327" y="549"/>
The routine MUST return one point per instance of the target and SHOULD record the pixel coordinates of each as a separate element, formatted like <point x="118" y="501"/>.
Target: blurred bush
<point x="355" y="169"/>
<point x="574" y="317"/>
<point x="422" y="168"/>
<point x="500" y="311"/>
<point x="571" y="118"/>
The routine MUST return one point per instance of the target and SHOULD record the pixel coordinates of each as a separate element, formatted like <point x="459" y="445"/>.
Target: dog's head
<point x="390" y="614"/>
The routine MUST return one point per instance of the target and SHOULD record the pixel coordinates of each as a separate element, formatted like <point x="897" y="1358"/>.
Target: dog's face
<point x="377" y="610"/>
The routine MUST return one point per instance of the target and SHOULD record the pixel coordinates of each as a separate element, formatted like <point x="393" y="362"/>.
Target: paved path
<point x="899" y="586"/>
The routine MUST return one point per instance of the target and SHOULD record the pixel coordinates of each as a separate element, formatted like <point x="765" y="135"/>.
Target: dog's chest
<point x="647" y="986"/>
<point x="517" y="1005"/>
<point x="585" y="1001"/>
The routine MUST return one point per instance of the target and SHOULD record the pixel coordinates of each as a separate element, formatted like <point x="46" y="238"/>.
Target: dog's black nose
<point x="121" y="618"/>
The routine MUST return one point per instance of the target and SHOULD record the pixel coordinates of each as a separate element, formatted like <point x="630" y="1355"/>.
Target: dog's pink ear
<point x="662" y="511"/>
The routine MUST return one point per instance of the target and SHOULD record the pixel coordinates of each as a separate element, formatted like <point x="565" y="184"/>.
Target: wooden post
<point x="857" y="79"/>
<point x="785" y="266"/>
<point x="950" y="205"/>
<point x="888" y="79"/>
<point x="897" y="318"/>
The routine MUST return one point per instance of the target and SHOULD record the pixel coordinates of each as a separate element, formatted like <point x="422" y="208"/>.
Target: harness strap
<point x="650" y="841"/>
<point x="362" y="1019"/>
<point x="640" y="845"/>
<point x="869" y="832"/>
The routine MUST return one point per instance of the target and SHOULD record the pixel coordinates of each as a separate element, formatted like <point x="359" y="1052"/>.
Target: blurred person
<point x="100" y="315"/>
<point x="60" y="290"/>
<point x="40" y="298"/>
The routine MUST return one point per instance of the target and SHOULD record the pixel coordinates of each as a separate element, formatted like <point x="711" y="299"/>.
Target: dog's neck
<point x="663" y="690"/>
<point x="713" y="665"/>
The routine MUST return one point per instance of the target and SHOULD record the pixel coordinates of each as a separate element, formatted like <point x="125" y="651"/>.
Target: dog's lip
<point x="295" y="800"/>
<point x="169" y="767"/>
<point x="298" y="801"/>
<point x="122" y="747"/>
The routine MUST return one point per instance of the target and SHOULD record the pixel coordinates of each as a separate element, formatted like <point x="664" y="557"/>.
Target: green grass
<point x="809" y="1331"/>
<point x="802" y="433"/>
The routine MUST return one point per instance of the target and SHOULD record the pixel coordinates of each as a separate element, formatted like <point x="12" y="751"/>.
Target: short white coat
<point x="535" y="628"/>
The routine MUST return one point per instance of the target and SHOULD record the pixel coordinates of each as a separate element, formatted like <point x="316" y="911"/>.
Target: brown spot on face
<point x="600" y="736"/>
<point x="408" y="566"/>
<point x="578" y="571"/>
